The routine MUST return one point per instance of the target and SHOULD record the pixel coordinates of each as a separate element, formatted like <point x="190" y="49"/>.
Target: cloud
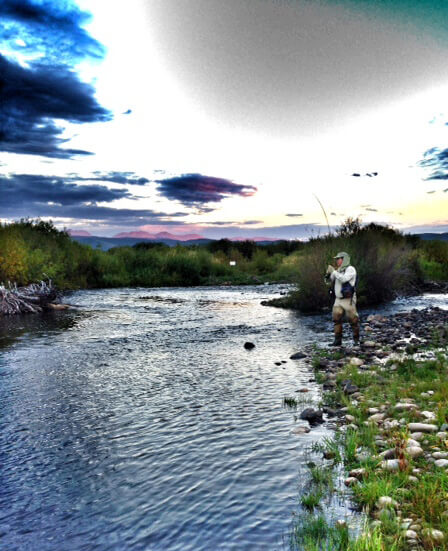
<point x="40" y="190"/>
<point x="32" y="97"/>
<point x="125" y="178"/>
<point x="371" y="210"/>
<point x="48" y="27"/>
<point x="198" y="189"/>
<point x="293" y="215"/>
<point x="29" y="195"/>
<point x="437" y="160"/>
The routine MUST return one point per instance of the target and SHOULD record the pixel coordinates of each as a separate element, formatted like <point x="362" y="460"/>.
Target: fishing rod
<point x="323" y="210"/>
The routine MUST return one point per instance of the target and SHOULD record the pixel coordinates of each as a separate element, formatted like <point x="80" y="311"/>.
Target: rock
<point x="297" y="356"/>
<point x="442" y="435"/>
<point x="357" y="473"/>
<point x="249" y="345"/>
<point x="341" y="523"/>
<point x="414" y="451"/>
<point x="313" y="416"/>
<point x="411" y="535"/>
<point x="390" y="465"/>
<point x="350" y="389"/>
<point x="440" y="455"/>
<point x="404" y="406"/>
<point x="391" y="424"/>
<point x="303" y="390"/>
<point x="372" y="411"/>
<point x="428" y="415"/>
<point x="441" y="463"/>
<point x="413" y="478"/>
<point x="356" y="362"/>
<point x="351" y="481"/>
<point x="377" y="417"/>
<point x="410" y="443"/>
<point x="386" y="501"/>
<point x="369" y="344"/>
<point x="300" y="430"/>
<point x="417" y="436"/>
<point x="436" y="535"/>
<point x="422" y="427"/>
<point x="329" y="411"/>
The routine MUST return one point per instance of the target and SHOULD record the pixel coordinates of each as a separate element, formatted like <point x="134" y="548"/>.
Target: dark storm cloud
<point x="296" y="231"/>
<point x="29" y="195"/>
<point x="50" y="27"/>
<point x="436" y="160"/>
<point x="32" y="97"/>
<point x="198" y="190"/>
<point x="32" y="190"/>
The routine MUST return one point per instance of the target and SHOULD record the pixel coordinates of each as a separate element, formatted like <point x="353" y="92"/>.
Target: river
<point x="138" y="421"/>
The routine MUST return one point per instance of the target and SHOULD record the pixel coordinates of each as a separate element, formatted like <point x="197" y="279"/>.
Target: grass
<point x="419" y="488"/>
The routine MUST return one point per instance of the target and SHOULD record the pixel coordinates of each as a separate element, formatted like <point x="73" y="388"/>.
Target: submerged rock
<point x="313" y="416"/>
<point x="249" y="345"/>
<point x="297" y="356"/>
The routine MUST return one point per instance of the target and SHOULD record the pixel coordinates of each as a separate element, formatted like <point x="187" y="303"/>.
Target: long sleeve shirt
<point x="340" y="277"/>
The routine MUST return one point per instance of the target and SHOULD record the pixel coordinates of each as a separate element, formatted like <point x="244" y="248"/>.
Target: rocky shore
<point x="388" y="402"/>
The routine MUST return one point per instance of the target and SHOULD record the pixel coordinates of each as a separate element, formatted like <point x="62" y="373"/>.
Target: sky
<point x="224" y="118"/>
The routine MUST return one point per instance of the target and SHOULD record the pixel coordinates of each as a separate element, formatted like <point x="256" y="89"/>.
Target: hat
<point x="340" y="255"/>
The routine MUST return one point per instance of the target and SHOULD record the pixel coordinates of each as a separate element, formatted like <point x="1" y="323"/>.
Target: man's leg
<point x="338" y="313"/>
<point x="353" y="318"/>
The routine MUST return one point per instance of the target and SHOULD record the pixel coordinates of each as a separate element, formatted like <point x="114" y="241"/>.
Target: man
<point x="344" y="280"/>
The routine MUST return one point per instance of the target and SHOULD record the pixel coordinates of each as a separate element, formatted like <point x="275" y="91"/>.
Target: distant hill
<point x="433" y="236"/>
<point x="106" y="243"/>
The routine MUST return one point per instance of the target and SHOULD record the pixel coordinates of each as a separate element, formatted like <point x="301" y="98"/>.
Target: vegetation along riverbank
<point x="388" y="263"/>
<point x="388" y="401"/>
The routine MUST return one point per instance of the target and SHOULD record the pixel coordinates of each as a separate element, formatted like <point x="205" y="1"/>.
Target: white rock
<point x="410" y="443"/>
<point x="440" y="455"/>
<point x="357" y="473"/>
<point x="430" y="392"/>
<point x="436" y="535"/>
<point x="421" y="427"/>
<point x="413" y="478"/>
<point x="371" y="411"/>
<point x="417" y="436"/>
<point x="386" y="501"/>
<point x="390" y="465"/>
<point x="356" y="361"/>
<point x="428" y="415"/>
<point x="300" y="430"/>
<point x="404" y="406"/>
<point x="411" y="535"/>
<point x="350" y="418"/>
<point x="415" y="451"/>
<point x="442" y="435"/>
<point x="392" y="424"/>
<point x="377" y="417"/>
<point x="369" y="344"/>
<point x="441" y="463"/>
<point x="350" y="481"/>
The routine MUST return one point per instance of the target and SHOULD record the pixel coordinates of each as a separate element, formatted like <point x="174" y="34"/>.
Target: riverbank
<point x="388" y="400"/>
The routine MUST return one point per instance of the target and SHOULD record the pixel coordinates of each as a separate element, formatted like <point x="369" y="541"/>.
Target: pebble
<point x="417" y="436"/>
<point x="436" y="535"/>
<point x="442" y="434"/>
<point x="441" y="463"/>
<point x="356" y="362"/>
<point x="422" y="427"/>
<point x="411" y="535"/>
<point x="401" y="406"/>
<point x="440" y="455"/>
<point x="386" y="501"/>
<point x="428" y="415"/>
<point x="392" y="465"/>
<point x="357" y="473"/>
<point x="350" y="481"/>
<point x="377" y="417"/>
<point x="300" y="430"/>
<point x="415" y="451"/>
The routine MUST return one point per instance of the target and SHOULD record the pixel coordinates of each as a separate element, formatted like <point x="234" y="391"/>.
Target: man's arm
<point x="349" y="273"/>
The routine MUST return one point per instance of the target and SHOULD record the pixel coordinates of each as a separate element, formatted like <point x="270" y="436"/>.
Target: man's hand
<point x="330" y="269"/>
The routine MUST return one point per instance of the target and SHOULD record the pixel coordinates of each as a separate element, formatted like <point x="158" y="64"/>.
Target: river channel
<point x="138" y="421"/>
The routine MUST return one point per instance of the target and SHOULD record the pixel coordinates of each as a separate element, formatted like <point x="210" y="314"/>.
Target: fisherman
<point x="343" y="281"/>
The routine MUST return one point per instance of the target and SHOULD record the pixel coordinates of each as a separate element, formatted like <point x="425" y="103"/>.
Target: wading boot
<point x="337" y="335"/>
<point x="355" y="329"/>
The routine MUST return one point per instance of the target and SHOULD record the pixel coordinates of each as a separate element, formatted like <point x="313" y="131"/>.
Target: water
<point x="139" y="421"/>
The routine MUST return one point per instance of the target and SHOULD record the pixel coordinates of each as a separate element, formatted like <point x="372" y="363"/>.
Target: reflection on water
<point x="140" y="422"/>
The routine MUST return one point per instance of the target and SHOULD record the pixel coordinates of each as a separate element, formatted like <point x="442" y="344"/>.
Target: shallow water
<point x="139" y="421"/>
